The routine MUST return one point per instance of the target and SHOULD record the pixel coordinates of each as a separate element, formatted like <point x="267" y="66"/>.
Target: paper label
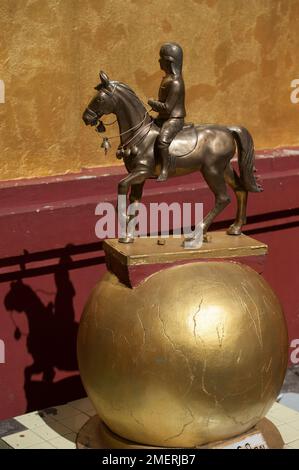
<point x="251" y="441"/>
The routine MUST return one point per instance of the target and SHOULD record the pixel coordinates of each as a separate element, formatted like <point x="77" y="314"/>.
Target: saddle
<point x="184" y="142"/>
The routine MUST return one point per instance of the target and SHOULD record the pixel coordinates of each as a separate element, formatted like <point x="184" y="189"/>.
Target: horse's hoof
<point x="162" y="177"/>
<point x="191" y="243"/>
<point x="126" y="240"/>
<point x="207" y="238"/>
<point x="234" y="230"/>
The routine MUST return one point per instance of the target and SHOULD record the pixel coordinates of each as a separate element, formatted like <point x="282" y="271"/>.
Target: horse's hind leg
<point x="216" y="182"/>
<point x="233" y="180"/>
<point x="215" y="179"/>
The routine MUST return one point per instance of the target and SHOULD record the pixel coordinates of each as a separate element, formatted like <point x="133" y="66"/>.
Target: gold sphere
<point x="196" y="353"/>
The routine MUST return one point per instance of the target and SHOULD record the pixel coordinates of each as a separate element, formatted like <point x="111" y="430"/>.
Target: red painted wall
<point x="50" y="259"/>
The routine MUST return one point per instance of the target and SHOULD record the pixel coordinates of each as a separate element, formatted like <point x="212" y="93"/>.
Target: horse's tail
<point x="246" y="159"/>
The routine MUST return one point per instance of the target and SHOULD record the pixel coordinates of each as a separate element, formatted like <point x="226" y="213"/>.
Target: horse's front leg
<point x="135" y="199"/>
<point x="136" y="181"/>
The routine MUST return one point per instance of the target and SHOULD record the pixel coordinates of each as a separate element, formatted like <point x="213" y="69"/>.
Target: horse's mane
<point x="123" y="88"/>
<point x="124" y="85"/>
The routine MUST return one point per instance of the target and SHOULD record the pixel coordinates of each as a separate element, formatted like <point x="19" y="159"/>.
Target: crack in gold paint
<point x="255" y="321"/>
<point x="194" y="318"/>
<point x="185" y="425"/>
<point x="179" y="351"/>
<point x="198" y="337"/>
<point x="220" y="338"/>
<point x="110" y="331"/>
<point x="135" y="359"/>
<point x="136" y="420"/>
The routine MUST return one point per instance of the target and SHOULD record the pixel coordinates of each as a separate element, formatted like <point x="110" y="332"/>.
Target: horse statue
<point x="205" y="148"/>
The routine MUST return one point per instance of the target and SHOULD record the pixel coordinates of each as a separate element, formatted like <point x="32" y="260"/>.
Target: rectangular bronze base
<point x="133" y="262"/>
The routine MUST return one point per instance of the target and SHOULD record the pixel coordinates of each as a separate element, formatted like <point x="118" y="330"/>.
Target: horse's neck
<point x="129" y="115"/>
<point x="34" y="310"/>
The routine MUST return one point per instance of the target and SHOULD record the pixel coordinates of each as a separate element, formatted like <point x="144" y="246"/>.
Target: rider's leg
<point x="168" y="131"/>
<point x="163" y="149"/>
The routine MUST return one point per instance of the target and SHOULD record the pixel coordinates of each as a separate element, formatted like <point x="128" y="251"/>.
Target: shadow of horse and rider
<point x="51" y="340"/>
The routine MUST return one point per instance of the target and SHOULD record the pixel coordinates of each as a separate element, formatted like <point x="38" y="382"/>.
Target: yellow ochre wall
<point x="240" y="57"/>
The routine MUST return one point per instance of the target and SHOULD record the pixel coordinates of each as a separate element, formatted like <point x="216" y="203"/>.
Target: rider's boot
<point x="164" y="159"/>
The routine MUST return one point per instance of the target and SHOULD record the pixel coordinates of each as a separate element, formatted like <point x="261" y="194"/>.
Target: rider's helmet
<point x="173" y="53"/>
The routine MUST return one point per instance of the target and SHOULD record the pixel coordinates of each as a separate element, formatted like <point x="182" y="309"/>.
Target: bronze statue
<point x="205" y="148"/>
<point x="171" y="104"/>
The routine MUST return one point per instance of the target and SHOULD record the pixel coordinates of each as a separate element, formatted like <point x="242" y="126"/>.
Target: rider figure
<point x="171" y="103"/>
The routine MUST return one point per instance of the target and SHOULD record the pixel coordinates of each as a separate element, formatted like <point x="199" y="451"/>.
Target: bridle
<point x="102" y="125"/>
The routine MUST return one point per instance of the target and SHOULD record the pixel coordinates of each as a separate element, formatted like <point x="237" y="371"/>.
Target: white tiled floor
<point x="292" y="445"/>
<point x="62" y="443"/>
<point x="58" y="426"/>
<point x="30" y="420"/>
<point x="23" y="439"/>
<point x="42" y="445"/>
<point x="46" y="432"/>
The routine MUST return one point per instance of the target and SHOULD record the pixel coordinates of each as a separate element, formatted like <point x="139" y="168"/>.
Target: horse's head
<point x="19" y="296"/>
<point x="102" y="103"/>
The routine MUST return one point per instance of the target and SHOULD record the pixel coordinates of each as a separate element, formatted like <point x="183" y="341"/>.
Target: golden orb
<point x="196" y="353"/>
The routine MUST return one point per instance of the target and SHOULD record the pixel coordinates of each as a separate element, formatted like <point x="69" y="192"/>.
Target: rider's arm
<point x="173" y="93"/>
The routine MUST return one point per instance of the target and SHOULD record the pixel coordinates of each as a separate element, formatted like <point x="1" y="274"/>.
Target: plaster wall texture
<point x="240" y="59"/>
